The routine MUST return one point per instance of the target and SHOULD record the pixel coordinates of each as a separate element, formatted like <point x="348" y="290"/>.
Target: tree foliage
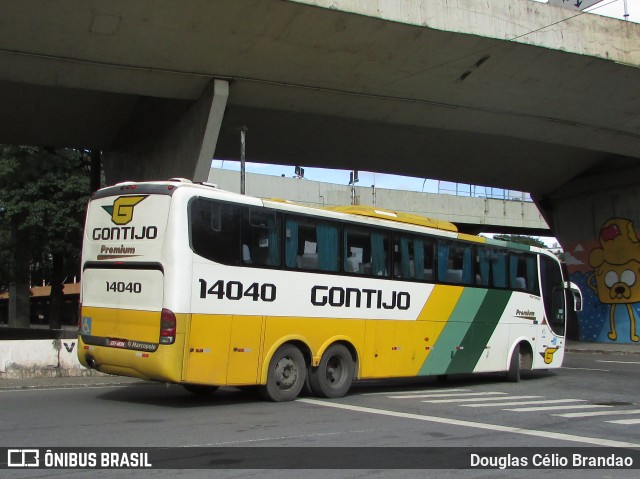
<point x="521" y="239"/>
<point x="44" y="193"/>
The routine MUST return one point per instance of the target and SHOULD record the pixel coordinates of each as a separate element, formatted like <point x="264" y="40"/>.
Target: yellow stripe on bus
<point x="441" y="303"/>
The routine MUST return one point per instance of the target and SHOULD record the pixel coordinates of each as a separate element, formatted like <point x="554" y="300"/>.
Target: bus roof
<point x="358" y="210"/>
<point x="400" y="217"/>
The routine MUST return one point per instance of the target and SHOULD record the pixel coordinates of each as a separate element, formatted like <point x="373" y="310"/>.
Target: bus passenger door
<point x="245" y="350"/>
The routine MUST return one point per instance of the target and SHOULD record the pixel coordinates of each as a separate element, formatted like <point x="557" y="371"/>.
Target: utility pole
<point x="626" y="11"/>
<point x="352" y="181"/>
<point x="243" y="147"/>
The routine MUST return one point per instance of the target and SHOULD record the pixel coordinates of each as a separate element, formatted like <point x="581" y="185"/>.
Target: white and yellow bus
<point x="189" y="284"/>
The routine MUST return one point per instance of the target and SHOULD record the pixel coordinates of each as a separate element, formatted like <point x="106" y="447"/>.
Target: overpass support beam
<point x="597" y="221"/>
<point x="169" y="138"/>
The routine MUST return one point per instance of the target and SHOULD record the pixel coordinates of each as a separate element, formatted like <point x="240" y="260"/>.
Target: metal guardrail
<point x="474" y="191"/>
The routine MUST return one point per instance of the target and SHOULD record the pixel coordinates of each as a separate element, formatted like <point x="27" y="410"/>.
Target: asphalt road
<point x="592" y="402"/>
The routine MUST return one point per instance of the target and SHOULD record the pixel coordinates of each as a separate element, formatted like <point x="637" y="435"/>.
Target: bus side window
<point x="531" y="264"/>
<point x="499" y="268"/>
<point x="260" y="237"/>
<point x="328" y="236"/>
<point x="214" y="231"/>
<point x="523" y="272"/>
<point x="413" y="258"/>
<point x="366" y="252"/>
<point x="455" y="263"/>
<point x="311" y="245"/>
<point x="517" y="272"/>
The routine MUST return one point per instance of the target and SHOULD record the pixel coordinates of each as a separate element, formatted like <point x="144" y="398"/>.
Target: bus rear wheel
<point x="286" y="375"/>
<point x="334" y="375"/>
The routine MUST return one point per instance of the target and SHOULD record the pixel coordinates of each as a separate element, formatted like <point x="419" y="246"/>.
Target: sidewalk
<point x="103" y="380"/>
<point x="612" y="348"/>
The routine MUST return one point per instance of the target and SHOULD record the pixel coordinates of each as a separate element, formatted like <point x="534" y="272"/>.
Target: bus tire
<point x="286" y="374"/>
<point x="334" y="375"/>
<point x="200" y="390"/>
<point x="513" y="374"/>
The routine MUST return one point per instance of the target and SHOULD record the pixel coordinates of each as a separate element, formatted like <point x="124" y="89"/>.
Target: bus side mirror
<point x="576" y="294"/>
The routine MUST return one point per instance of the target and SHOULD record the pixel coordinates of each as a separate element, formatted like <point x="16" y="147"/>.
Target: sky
<point x="614" y="9"/>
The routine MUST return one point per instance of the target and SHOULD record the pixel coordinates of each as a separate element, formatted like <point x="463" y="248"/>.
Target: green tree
<point x="528" y="240"/>
<point x="44" y="193"/>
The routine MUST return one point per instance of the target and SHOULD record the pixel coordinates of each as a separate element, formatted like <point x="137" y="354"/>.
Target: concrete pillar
<point x="169" y="138"/>
<point x="597" y="221"/>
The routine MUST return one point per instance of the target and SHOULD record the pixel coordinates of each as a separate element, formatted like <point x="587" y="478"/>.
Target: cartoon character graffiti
<point x="617" y="270"/>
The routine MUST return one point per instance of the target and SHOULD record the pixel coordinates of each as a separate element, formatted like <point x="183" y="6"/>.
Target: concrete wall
<point x="41" y="358"/>
<point x="600" y="233"/>
<point x="457" y="209"/>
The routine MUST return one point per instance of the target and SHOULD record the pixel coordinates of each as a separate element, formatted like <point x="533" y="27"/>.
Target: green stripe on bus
<point x="453" y="332"/>
<point x="477" y="336"/>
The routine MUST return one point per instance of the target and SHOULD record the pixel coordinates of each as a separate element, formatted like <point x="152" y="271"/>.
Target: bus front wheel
<point x="521" y="359"/>
<point x="286" y="375"/>
<point x="333" y="376"/>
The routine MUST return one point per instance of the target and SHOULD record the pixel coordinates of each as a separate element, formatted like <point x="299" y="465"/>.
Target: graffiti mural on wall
<point x="608" y="272"/>
<point x="617" y="271"/>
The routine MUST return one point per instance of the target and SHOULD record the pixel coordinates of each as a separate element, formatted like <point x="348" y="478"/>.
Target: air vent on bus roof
<point x="181" y="180"/>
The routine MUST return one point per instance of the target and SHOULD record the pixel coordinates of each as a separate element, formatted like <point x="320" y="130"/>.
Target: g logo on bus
<point x="122" y="209"/>
<point x="548" y="354"/>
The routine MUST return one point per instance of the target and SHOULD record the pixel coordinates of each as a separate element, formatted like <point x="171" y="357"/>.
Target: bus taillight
<point x="167" y="327"/>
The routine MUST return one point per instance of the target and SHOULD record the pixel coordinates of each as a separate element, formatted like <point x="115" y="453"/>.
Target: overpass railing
<point x="474" y="191"/>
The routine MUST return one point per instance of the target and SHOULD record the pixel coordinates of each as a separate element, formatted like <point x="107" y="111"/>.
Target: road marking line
<point x="417" y="391"/>
<point x="599" y="413"/>
<point x="617" y="362"/>
<point x="551" y="408"/>
<point x="477" y="425"/>
<point x="518" y="403"/>
<point x="438" y="395"/>
<point x="589" y="369"/>
<point x="458" y="400"/>
<point x="625" y="421"/>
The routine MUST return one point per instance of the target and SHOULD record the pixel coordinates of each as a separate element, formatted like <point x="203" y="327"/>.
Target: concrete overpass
<point x="471" y="214"/>
<point x="507" y="93"/>
<point x="510" y="93"/>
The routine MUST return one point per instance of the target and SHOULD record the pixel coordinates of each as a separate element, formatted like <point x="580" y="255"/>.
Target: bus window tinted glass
<point x="492" y="267"/>
<point x="260" y="237"/>
<point x="413" y="258"/>
<point x="523" y="272"/>
<point x="215" y="231"/>
<point x="366" y="252"/>
<point x="455" y="262"/>
<point x="311" y="244"/>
